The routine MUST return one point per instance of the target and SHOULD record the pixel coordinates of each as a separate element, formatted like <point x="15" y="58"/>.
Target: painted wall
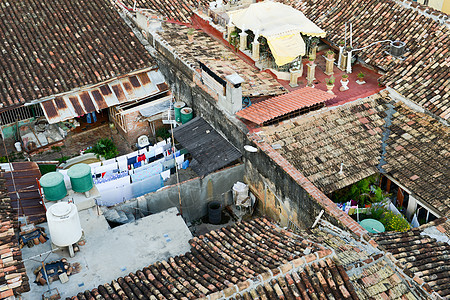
<point x="446" y="7"/>
<point x="195" y="194"/>
<point x="10" y="130"/>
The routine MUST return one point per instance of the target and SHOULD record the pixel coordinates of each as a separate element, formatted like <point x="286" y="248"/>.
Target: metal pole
<point x="351" y="36"/>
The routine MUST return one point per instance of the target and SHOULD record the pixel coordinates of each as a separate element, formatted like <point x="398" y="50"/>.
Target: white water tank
<point x="64" y="224"/>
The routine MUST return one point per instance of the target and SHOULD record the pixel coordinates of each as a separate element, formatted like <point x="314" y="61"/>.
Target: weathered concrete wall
<point x="10" y="130"/>
<point x="195" y="194"/>
<point x="280" y="196"/>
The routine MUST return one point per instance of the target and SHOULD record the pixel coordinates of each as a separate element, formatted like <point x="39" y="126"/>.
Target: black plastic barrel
<point x="214" y="212"/>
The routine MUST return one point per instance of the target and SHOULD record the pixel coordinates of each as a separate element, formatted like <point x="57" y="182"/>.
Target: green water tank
<point x="177" y="109"/>
<point x="186" y="115"/>
<point x="53" y="185"/>
<point x="80" y="177"/>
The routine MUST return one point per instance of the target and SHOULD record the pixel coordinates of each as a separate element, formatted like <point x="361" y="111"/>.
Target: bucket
<point x="18" y="146"/>
<point x="186" y="115"/>
<point x="177" y="108"/>
<point x="214" y="212"/>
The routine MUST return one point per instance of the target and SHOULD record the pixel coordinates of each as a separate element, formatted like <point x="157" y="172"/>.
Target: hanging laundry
<point x="178" y="153"/>
<point x="141" y="157"/>
<point x="94" y="117"/>
<point x="137" y="165"/>
<point x="132" y="160"/>
<point x="88" y="118"/>
<point x="168" y="164"/>
<point x="165" y="175"/>
<point x="179" y="159"/>
<point x="185" y="164"/>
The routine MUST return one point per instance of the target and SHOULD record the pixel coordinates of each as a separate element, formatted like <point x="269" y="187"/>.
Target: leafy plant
<point x="377" y="213"/>
<point x="360" y="75"/>
<point x="341" y="43"/>
<point x="314" y="42"/>
<point x="344" y="76"/>
<point x="330" y="81"/>
<point x="393" y="222"/>
<point x="330" y="53"/>
<point x="191" y="31"/>
<point x="104" y="147"/>
<point x="162" y="132"/>
<point x="63" y="159"/>
<point x="311" y="58"/>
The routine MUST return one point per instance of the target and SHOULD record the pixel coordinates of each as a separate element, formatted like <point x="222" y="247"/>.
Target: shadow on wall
<point x="195" y="194"/>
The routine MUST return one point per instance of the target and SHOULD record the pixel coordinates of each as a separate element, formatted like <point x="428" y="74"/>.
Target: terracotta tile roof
<point x="424" y="251"/>
<point x="418" y="155"/>
<point x="417" y="147"/>
<point x="257" y="260"/>
<point x="423" y="76"/>
<point x="318" y="143"/>
<point x="25" y="176"/>
<point x="221" y="60"/>
<point x="13" y="277"/>
<point x="285" y="105"/>
<point x="54" y="47"/>
<point x="177" y="10"/>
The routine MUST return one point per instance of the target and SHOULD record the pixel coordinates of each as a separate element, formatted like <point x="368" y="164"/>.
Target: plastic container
<point x="53" y="185"/>
<point x="18" y="146"/>
<point x="186" y="115"/>
<point x="240" y="193"/>
<point x="80" y="177"/>
<point x="177" y="110"/>
<point x="214" y="212"/>
<point x="64" y="224"/>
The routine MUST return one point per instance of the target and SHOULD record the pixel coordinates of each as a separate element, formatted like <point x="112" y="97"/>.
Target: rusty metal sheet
<point x="163" y="87"/>
<point x="143" y="77"/>
<point x="117" y="89"/>
<point x="50" y="111"/>
<point x="28" y="203"/>
<point x="105" y="90"/>
<point x="134" y="81"/>
<point x="87" y="102"/>
<point x="99" y="100"/>
<point x="77" y="105"/>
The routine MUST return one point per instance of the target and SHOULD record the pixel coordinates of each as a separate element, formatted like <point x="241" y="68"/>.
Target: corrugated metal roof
<point x="208" y="148"/>
<point x="25" y="176"/>
<point x="281" y="105"/>
<point x="118" y="91"/>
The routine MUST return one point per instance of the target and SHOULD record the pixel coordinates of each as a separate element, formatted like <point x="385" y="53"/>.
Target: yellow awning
<point x="286" y="48"/>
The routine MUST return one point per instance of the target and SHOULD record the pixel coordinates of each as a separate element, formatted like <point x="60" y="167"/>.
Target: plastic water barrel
<point x="214" y="212"/>
<point x="53" y="185"/>
<point x="186" y="115"/>
<point x="80" y="177"/>
<point x="177" y="109"/>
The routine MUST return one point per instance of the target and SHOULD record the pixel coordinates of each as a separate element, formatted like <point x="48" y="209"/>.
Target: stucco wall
<point x="195" y="194"/>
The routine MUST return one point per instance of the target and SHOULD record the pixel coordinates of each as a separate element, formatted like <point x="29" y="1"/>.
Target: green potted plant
<point x="190" y="34"/>
<point x="341" y="43"/>
<point x="330" y="54"/>
<point x="311" y="59"/>
<point x="330" y="84"/>
<point x="344" y="83"/>
<point x="360" y="77"/>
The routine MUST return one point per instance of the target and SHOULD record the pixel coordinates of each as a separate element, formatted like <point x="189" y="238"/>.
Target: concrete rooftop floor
<point x="112" y="253"/>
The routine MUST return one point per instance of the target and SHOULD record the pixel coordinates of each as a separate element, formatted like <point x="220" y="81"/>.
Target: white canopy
<point x="278" y="23"/>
